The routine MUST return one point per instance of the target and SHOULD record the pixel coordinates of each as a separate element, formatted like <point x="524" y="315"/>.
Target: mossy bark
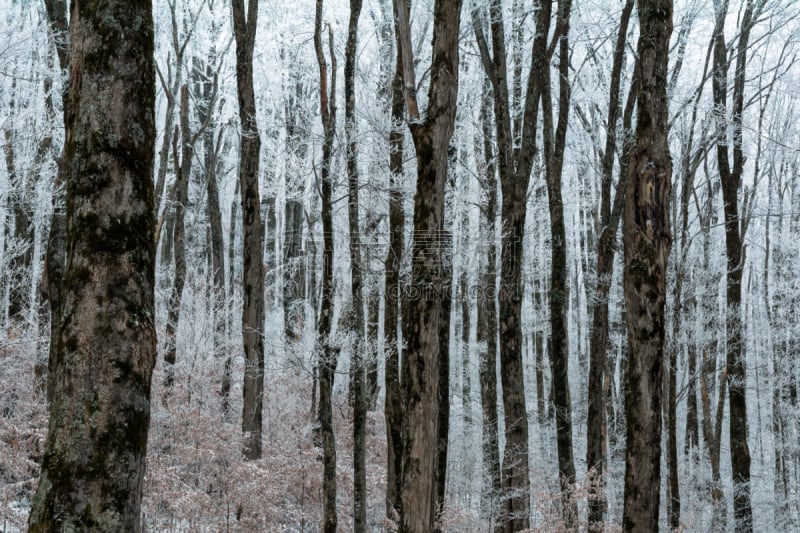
<point x="102" y="359"/>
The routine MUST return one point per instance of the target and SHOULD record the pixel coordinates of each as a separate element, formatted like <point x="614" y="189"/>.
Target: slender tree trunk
<point x="183" y="168"/>
<point x="487" y="322"/>
<point x="647" y="241"/>
<point x="328" y="354"/>
<point x="244" y="29"/>
<point x="514" y="163"/>
<point x="227" y="367"/>
<point x="357" y="372"/>
<point x="596" y="425"/>
<point x="444" y="388"/>
<point x="466" y="385"/>
<point x="559" y="292"/>
<point x="102" y="362"/>
<point x="731" y="177"/>
<point x="393" y="407"/>
<point x="293" y="283"/>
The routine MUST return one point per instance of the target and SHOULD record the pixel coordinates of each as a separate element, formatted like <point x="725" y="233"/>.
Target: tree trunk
<point x="357" y="371"/>
<point x="293" y="284"/>
<point x="559" y="291"/>
<point x="244" y="29"/>
<point x="444" y="387"/>
<point x="421" y="369"/>
<point x="183" y="169"/>
<point x="515" y="162"/>
<point x="487" y="322"/>
<point x="731" y="178"/>
<point x="596" y="424"/>
<point x="647" y="241"/>
<point x="328" y="355"/>
<point x="393" y="407"/>
<point x="102" y="363"/>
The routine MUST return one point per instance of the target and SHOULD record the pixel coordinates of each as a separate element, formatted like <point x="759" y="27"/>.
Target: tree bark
<point x="421" y="369"/>
<point x="328" y="355"/>
<point x="358" y="326"/>
<point x="647" y="241"/>
<point x="102" y="362"/>
<point x="731" y="178"/>
<point x="487" y="321"/>
<point x="514" y="163"/>
<point x="183" y="169"/>
<point x="393" y="407"/>
<point x="596" y="424"/>
<point x="244" y="29"/>
<point x="554" y="145"/>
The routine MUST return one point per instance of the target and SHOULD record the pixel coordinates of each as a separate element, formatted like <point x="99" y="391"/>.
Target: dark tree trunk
<point x="293" y="282"/>
<point x="328" y="355"/>
<point x="226" y="372"/>
<point x="731" y="179"/>
<point x="559" y="291"/>
<point x="444" y="388"/>
<point x="596" y="425"/>
<point x="514" y="163"/>
<point x="183" y="168"/>
<point x="244" y="29"/>
<point x="466" y="385"/>
<point x="393" y="408"/>
<point x="487" y="322"/>
<point x="102" y="361"/>
<point x="647" y="241"/>
<point x="421" y="368"/>
<point x="55" y="254"/>
<point x="357" y="371"/>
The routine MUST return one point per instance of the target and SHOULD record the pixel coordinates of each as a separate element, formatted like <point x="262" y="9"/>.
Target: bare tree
<point x="244" y="30"/>
<point x="647" y="241"/>
<point x="103" y="358"/>
<point x="358" y="326"/>
<point x="514" y="164"/>
<point x="328" y="355"/>
<point x="423" y="324"/>
<point x="393" y="407"/>
<point x="596" y="424"/>
<point x="554" y="145"/>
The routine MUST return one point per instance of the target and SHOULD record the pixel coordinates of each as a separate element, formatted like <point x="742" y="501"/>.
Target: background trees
<point x="511" y="278"/>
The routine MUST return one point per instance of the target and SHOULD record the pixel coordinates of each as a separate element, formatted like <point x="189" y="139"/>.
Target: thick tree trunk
<point x="244" y="29"/>
<point x="421" y="368"/>
<point x="102" y="361"/>
<point x="647" y="241"/>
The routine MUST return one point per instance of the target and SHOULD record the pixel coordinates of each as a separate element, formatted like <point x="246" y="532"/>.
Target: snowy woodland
<point x="400" y="292"/>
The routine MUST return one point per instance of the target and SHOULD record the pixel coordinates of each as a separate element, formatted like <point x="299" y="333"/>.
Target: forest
<point x="399" y="265"/>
